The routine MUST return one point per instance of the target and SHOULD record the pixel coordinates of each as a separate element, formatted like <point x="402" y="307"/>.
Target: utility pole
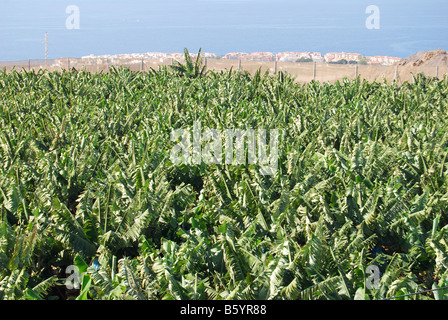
<point x="46" y="48"/>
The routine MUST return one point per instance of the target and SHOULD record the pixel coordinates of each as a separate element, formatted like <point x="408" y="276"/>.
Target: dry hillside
<point x="426" y="59"/>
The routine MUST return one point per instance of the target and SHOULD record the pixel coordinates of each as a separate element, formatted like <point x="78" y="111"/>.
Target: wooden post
<point x="142" y="65"/>
<point x="396" y="72"/>
<point x="314" y="70"/>
<point x="29" y="64"/>
<point x="437" y="71"/>
<point x="239" y="64"/>
<point x="68" y="64"/>
<point x="275" y="65"/>
<point x="356" y="71"/>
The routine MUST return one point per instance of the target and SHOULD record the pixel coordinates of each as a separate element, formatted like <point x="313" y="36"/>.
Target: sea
<point x="78" y="28"/>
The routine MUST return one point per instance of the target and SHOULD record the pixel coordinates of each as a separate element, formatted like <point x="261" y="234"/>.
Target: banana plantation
<point x="92" y="207"/>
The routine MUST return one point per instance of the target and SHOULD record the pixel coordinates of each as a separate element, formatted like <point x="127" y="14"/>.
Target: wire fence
<point x="302" y="71"/>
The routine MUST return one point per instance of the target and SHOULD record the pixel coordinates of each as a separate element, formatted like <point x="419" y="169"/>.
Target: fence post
<point x="275" y="65"/>
<point x="68" y="64"/>
<point x="239" y="64"/>
<point x="396" y="72"/>
<point x="314" y="70"/>
<point x="142" y="65"/>
<point x="356" y="71"/>
<point x="29" y="64"/>
<point x="437" y="71"/>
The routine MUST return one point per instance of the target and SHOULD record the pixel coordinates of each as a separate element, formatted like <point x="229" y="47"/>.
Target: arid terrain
<point x="431" y="63"/>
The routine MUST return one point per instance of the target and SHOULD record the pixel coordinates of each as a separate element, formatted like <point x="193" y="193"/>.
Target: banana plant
<point x="356" y="209"/>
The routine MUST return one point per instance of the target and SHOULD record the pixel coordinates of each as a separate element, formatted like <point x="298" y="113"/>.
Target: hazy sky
<point x="220" y="26"/>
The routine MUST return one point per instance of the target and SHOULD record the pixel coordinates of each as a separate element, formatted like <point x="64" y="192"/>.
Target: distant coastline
<point x="330" y="57"/>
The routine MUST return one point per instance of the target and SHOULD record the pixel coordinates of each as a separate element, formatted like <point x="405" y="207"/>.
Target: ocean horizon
<point x="220" y="27"/>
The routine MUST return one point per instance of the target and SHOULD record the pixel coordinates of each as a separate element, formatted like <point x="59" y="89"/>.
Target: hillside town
<point x="330" y="57"/>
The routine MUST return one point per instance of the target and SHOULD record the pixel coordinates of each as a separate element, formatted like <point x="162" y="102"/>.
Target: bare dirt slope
<point x="426" y="59"/>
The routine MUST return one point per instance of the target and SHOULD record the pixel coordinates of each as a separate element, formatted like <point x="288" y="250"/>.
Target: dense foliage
<point x="86" y="180"/>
